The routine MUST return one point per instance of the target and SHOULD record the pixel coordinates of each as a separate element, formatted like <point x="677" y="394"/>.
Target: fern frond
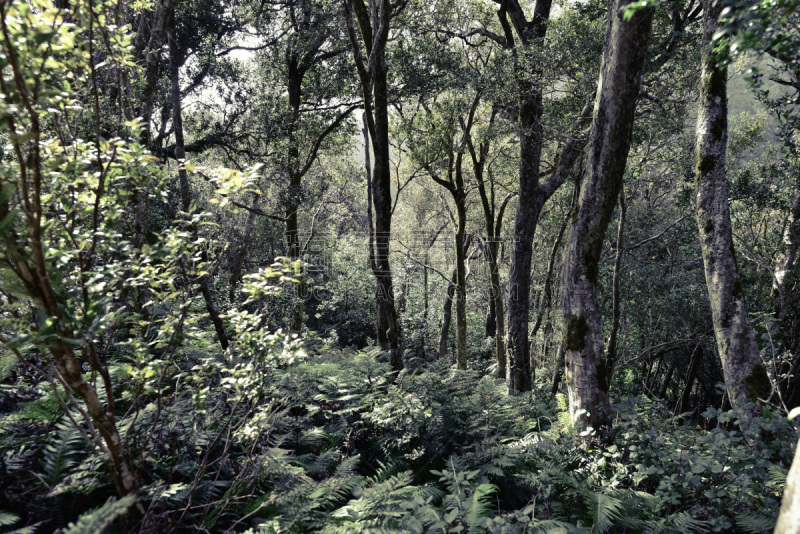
<point x="7" y="518"/>
<point x="348" y="466"/>
<point x="479" y="505"/>
<point x="96" y="521"/>
<point x="63" y="452"/>
<point x="605" y="509"/>
<point x="551" y="526"/>
<point x="777" y="475"/>
<point x="755" y="524"/>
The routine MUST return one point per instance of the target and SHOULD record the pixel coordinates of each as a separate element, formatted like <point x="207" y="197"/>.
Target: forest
<point x="447" y="266"/>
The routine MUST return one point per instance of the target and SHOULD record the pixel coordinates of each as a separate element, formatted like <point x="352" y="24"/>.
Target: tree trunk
<point x="624" y="53"/>
<point x="497" y="298"/>
<point x="447" y="314"/>
<point x="694" y="364"/>
<point x="493" y="219"/>
<point x="528" y="211"/>
<point x="559" y="374"/>
<point x="611" y="353"/>
<point x="662" y="394"/>
<point x="295" y="180"/>
<point x="180" y="155"/>
<point x="789" y="516"/>
<point x="426" y="304"/>
<point x="787" y="259"/>
<point x="147" y="46"/>
<point x="461" y="279"/>
<point x="238" y="260"/>
<point x="545" y="303"/>
<point x="374" y="22"/>
<point x="741" y="364"/>
<point x="490" y="325"/>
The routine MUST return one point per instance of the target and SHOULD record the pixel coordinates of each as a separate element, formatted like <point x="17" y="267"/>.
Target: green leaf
<point x="96" y="521"/>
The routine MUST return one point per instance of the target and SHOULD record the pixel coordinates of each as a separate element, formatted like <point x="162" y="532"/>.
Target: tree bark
<point x="493" y="220"/>
<point x="490" y="324"/>
<point x="180" y="155"/>
<point x="694" y="364"/>
<point x="611" y="353"/>
<point x="530" y="195"/>
<point x="374" y="22"/>
<point x="461" y="276"/>
<point x="662" y="394"/>
<point x="447" y="314"/>
<point x="789" y="516"/>
<point x="741" y="363"/>
<point x="624" y="52"/>
<point x="147" y="45"/>
<point x="786" y="271"/>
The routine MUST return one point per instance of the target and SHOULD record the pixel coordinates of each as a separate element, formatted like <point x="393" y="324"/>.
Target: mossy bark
<point x="741" y="362"/>
<point x="624" y="52"/>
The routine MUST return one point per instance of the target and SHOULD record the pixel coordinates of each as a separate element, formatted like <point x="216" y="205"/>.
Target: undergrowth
<point x="281" y="436"/>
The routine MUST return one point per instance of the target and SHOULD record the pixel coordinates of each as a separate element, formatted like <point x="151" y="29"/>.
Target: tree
<point x="369" y="54"/>
<point x="624" y="54"/>
<point x="441" y="130"/>
<point x="789" y="517"/>
<point x="62" y="254"/>
<point x="180" y="155"/>
<point x="312" y="41"/>
<point x="525" y="40"/>
<point x="493" y="219"/>
<point x="744" y="372"/>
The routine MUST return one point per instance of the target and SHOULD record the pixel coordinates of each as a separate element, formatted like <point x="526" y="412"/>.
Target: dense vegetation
<point x="411" y="266"/>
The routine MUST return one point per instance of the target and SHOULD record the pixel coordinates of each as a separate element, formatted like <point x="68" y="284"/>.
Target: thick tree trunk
<point x="528" y="211"/>
<point x="531" y="197"/>
<point x="295" y="180"/>
<point x="789" y="516"/>
<point x="624" y="53"/>
<point x="387" y="320"/>
<point x="741" y="363"/>
<point x="519" y="371"/>
<point x="180" y="155"/>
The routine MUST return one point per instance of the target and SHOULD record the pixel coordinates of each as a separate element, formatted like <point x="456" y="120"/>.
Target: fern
<point x="777" y="475"/>
<point x="755" y="524"/>
<point x="551" y="526"/>
<point x="604" y="509"/>
<point x="7" y="518"/>
<point x="62" y="453"/>
<point x="479" y="505"/>
<point x="96" y="521"/>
